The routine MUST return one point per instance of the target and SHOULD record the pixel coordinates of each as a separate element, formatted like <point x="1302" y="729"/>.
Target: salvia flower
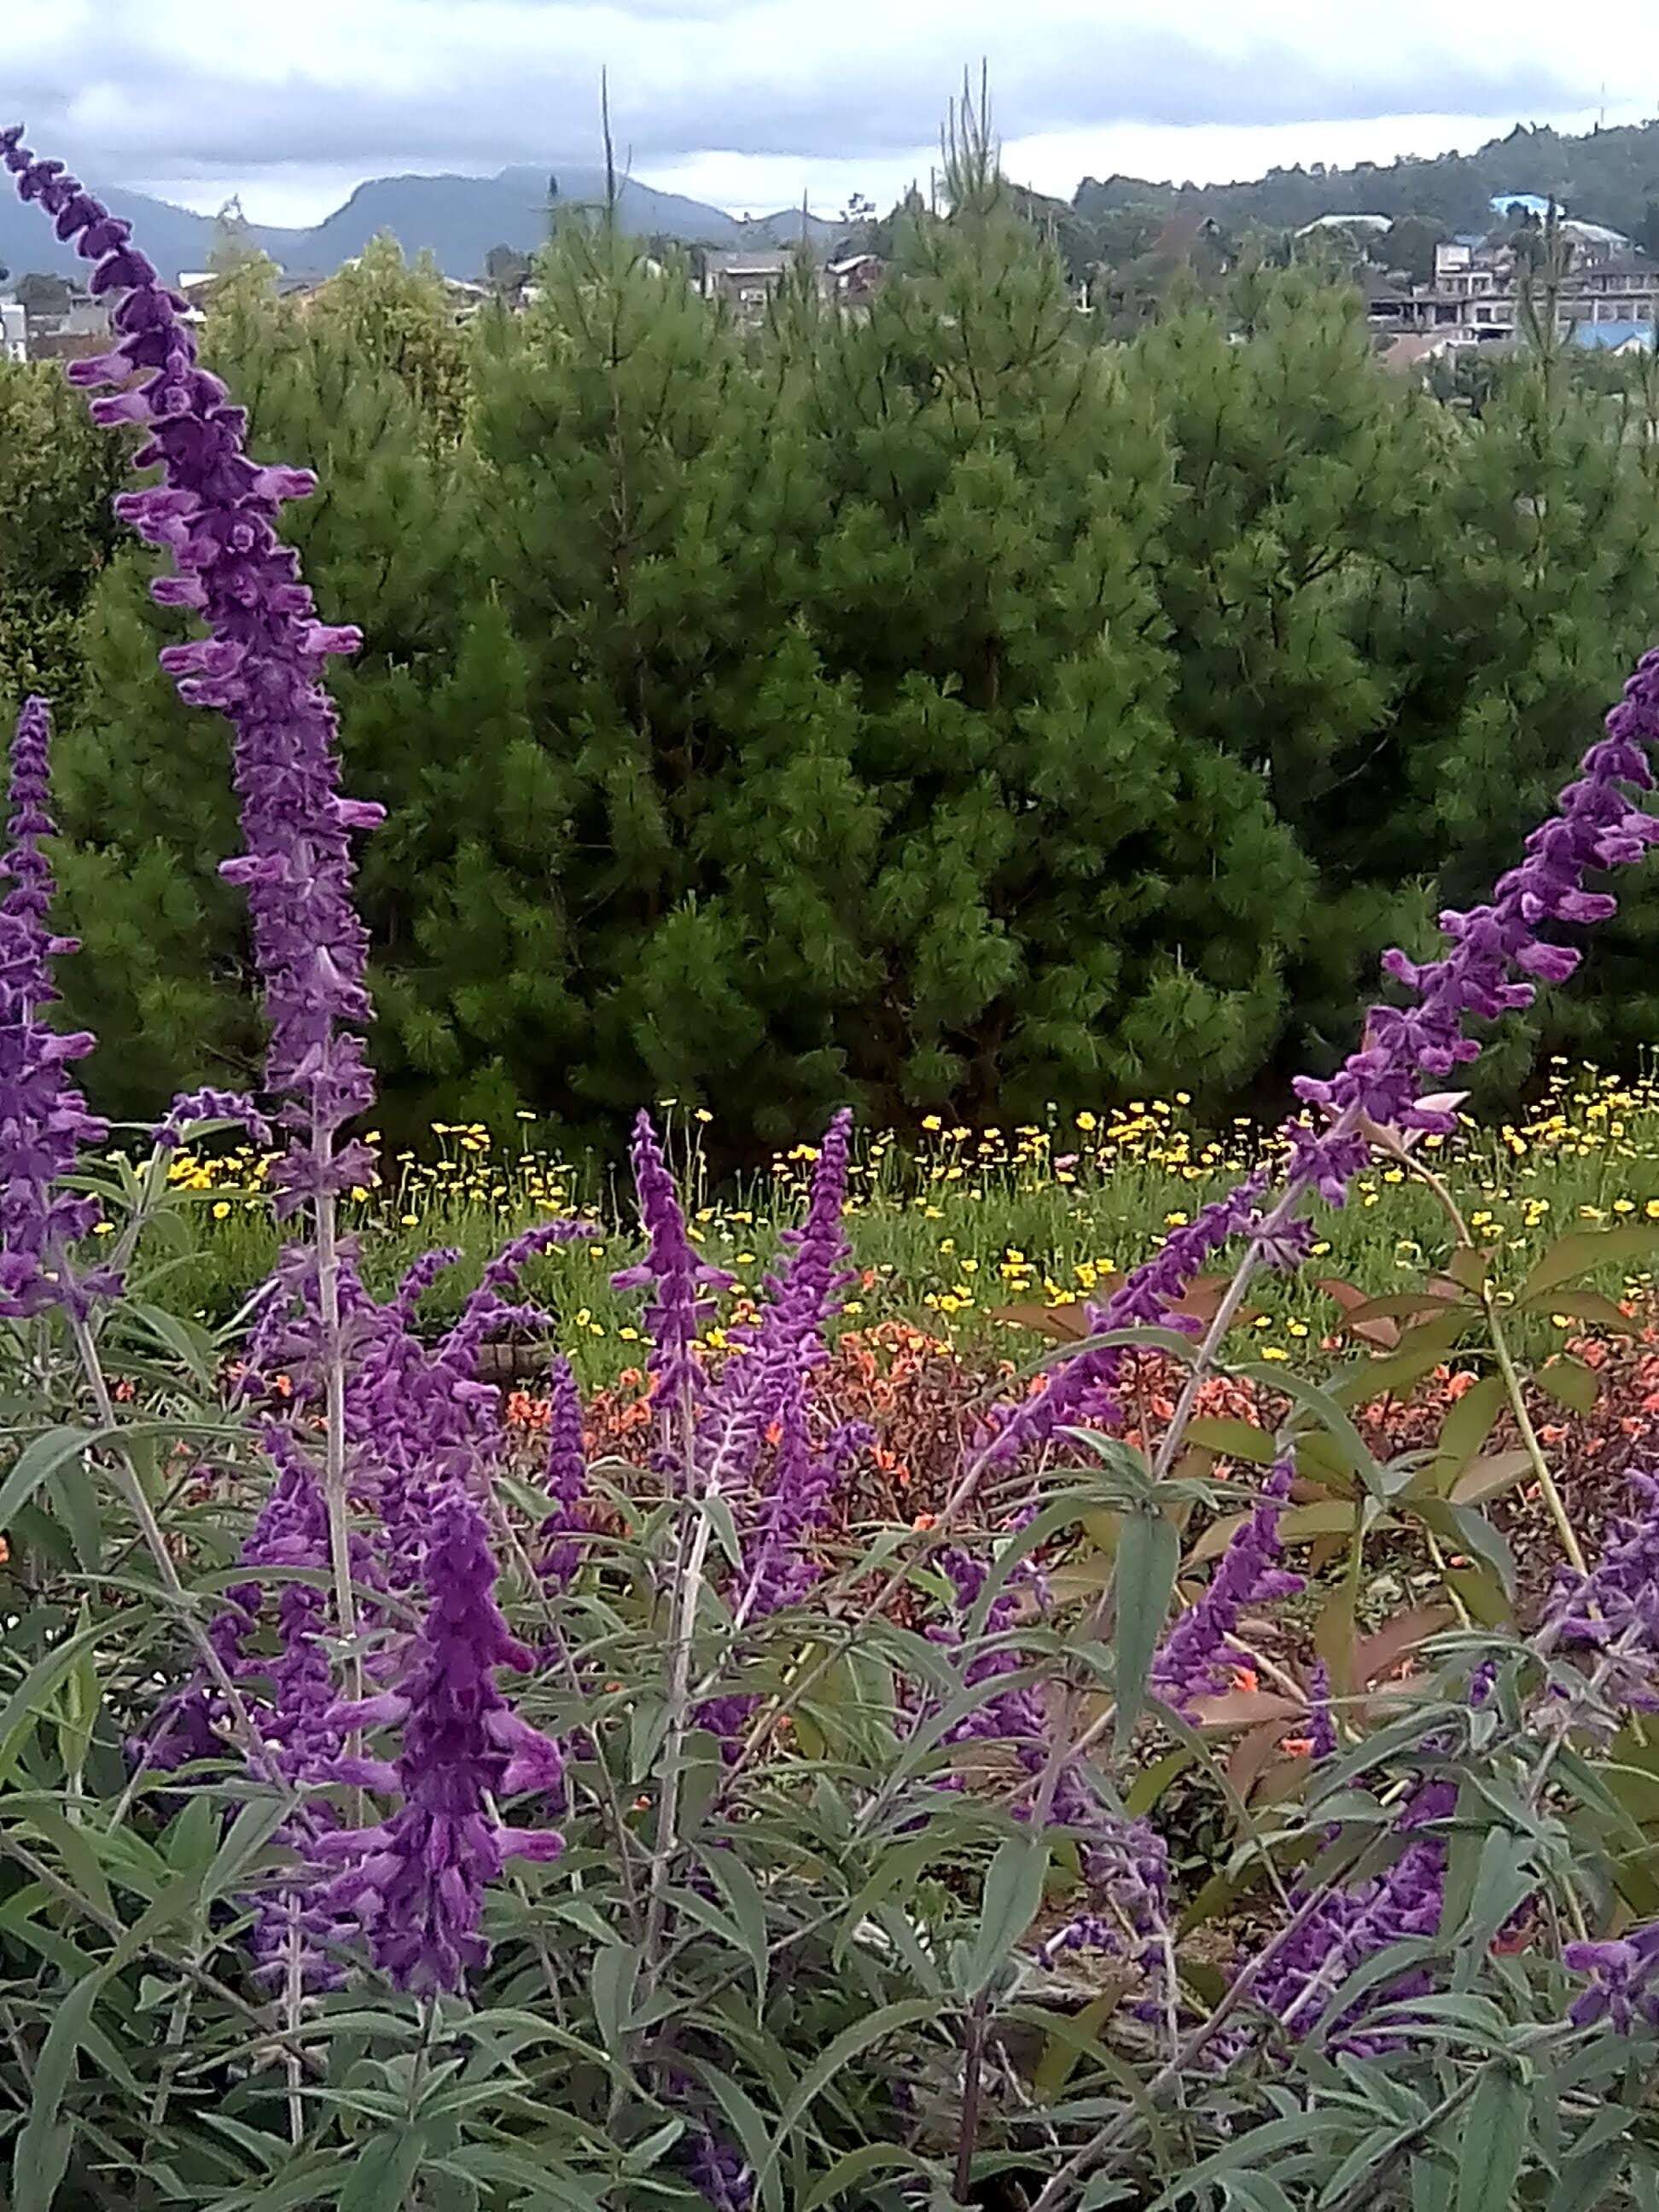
<point x="718" y="2172"/>
<point x="1621" y="1976"/>
<point x="44" y="1119"/>
<point x="1085" y="1388"/>
<point x="1496" y="954"/>
<point x="678" y="1280"/>
<point x="1354" y="1923"/>
<point x="1127" y="1866"/>
<point x="210" y="1105"/>
<point x="1194" y="1662"/>
<point x="214" y="511"/>
<point x="417" y="1880"/>
<point x="1613" y="1611"/>
<point x="1321" y="1716"/>
<point x="772" y="1359"/>
<point x="295" y="1716"/>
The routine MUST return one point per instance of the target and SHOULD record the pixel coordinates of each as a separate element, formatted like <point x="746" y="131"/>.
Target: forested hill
<point x="1609" y="176"/>
<point x="456" y="219"/>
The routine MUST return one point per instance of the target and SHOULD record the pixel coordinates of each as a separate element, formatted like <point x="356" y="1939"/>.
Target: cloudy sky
<point x="749" y="102"/>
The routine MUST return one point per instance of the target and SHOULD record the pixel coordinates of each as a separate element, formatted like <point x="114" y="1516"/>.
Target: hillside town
<point x="49" y="317"/>
<point x="1605" y="289"/>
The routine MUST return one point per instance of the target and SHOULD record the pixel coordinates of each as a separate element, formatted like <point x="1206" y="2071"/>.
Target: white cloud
<point x="748" y="100"/>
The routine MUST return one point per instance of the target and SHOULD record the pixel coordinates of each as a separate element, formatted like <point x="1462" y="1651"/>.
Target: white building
<point x="14" y="332"/>
<point x="1375" y="223"/>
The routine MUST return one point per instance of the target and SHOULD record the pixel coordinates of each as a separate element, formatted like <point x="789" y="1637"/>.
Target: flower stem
<point x="1498" y="1337"/>
<point x="1535" y="1451"/>
<point x="334" y="1476"/>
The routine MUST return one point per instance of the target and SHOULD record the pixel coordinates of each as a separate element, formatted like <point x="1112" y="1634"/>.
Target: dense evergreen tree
<point x="654" y="507"/>
<point x="145" y="782"/>
<point x="58" y="472"/>
<point x="1289" y="574"/>
<point x="949" y="705"/>
<point x="1000" y="487"/>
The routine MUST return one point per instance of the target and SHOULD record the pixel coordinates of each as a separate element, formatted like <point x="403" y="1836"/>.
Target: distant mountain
<point x="173" y="238"/>
<point x="1605" y="176"/>
<point x="457" y="219"/>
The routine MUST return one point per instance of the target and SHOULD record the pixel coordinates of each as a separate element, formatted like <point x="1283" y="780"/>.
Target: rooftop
<point x="1608" y="337"/>
<point x="1347" y="222"/>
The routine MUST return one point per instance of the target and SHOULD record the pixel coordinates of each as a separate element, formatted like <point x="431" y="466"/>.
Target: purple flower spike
<point x="214" y="512"/>
<point x="209" y="1105"/>
<point x="1621" y="1977"/>
<point x="718" y="2172"/>
<point x="503" y="1271"/>
<point x="675" y="1275"/>
<point x="1321" y="1719"/>
<point x="1613" y="1611"/>
<point x="1195" y="1661"/>
<point x="44" y="1121"/>
<point x="416" y="1883"/>
<point x="1596" y="825"/>
<point x="1084" y="1389"/>
<point x="1353" y="1924"/>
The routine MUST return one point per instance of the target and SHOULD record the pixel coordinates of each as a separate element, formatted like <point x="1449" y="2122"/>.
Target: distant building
<point x="853" y="283"/>
<point x="747" y="281"/>
<point x="1377" y="223"/>
<point x="1614" y="338"/>
<point x="14" y="332"/>
<point x="81" y="329"/>
<point x="1475" y="298"/>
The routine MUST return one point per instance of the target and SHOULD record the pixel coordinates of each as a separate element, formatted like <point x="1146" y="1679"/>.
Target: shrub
<point x="803" y="1859"/>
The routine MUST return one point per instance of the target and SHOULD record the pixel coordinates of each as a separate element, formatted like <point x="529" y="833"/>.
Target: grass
<point x="970" y="1222"/>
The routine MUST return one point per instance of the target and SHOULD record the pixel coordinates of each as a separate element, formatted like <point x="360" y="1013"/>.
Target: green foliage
<point x="1605" y="176"/>
<point x="939" y="707"/>
<point x="814" y="1952"/>
<point x="58" y="472"/>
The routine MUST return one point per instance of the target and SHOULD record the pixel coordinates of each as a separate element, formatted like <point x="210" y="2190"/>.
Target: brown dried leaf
<point x="1251" y="1753"/>
<point x="1247" y="1708"/>
<point x="1351" y="1299"/>
<point x="1379" y="1654"/>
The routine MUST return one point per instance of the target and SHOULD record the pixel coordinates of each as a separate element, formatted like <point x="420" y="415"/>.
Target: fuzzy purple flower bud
<point x="44" y="1119"/>
<point x="214" y="512"/>
<point x="417" y="1881"/>
<point x="1194" y="1662"/>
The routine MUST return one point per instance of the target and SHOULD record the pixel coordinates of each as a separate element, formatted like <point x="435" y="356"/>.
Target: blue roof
<point x="1603" y="336"/>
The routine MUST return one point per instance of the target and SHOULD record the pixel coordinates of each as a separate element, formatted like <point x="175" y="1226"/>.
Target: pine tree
<point x="654" y="509"/>
<point x="1547" y="593"/>
<point x="147" y="799"/>
<point x="394" y="316"/>
<point x="58" y="473"/>
<point x="1292" y="575"/>
<point x="1070" y="898"/>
